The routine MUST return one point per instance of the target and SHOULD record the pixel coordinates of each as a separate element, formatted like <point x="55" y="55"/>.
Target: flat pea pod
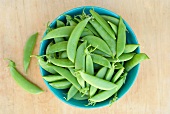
<point x="79" y="96"/>
<point x="114" y="27"/>
<point x="107" y="94"/>
<point x="98" y="43"/>
<point x="58" y="47"/>
<point x="60" y="23"/>
<point x="118" y="66"/>
<point x="110" y="72"/>
<point x="74" y="38"/>
<point x="103" y="23"/>
<point x="52" y="78"/>
<point x="28" y="49"/>
<point x="100" y="60"/>
<point x="89" y="66"/>
<point x="61" y="62"/>
<point x="121" y="38"/>
<point x="59" y="32"/>
<point x="122" y="58"/>
<point x="63" y="55"/>
<point x="97" y="82"/>
<point x="100" y="53"/>
<point x="130" y="48"/>
<point x="135" y="60"/>
<point x="118" y="74"/>
<point x="105" y="36"/>
<point x="71" y="92"/>
<point x="21" y="81"/>
<point x="100" y="74"/>
<point x="64" y="84"/>
<point x="65" y="73"/>
<point x="112" y="19"/>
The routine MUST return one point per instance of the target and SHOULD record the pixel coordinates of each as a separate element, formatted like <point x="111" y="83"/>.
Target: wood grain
<point x="149" y="20"/>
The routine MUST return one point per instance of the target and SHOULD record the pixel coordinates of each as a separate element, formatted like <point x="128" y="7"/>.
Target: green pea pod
<point x="79" y="96"/>
<point x="111" y="19"/>
<point x="98" y="52"/>
<point x="52" y="78"/>
<point x="21" y="81"/>
<point x="59" y="39"/>
<point x="64" y="84"/>
<point x="71" y="92"/>
<point x="65" y="73"/>
<point x="122" y="58"/>
<point x="74" y="38"/>
<point x="60" y="24"/>
<point x="58" y="47"/>
<point x="86" y="32"/>
<point x="89" y="66"/>
<point x="72" y="71"/>
<point x="63" y="55"/>
<point x="105" y="36"/>
<point x="114" y="27"/>
<point x="121" y="38"/>
<point x="61" y="62"/>
<point x="130" y="48"/>
<point x="100" y="60"/>
<point x="118" y="66"/>
<point x="48" y="49"/>
<point x="97" y="82"/>
<point x="28" y="49"/>
<point x="103" y="23"/>
<point x="135" y="60"/>
<point x="98" y="43"/>
<point x="92" y="29"/>
<point x="117" y="75"/>
<point x="110" y="73"/>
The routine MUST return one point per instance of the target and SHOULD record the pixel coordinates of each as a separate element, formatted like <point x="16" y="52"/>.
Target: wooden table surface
<point x="150" y="20"/>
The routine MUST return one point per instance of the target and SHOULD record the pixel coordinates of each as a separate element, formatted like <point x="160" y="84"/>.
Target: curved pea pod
<point x="103" y="23"/>
<point x="63" y="55"/>
<point x="118" y="74"/>
<point x="112" y="19"/>
<point x="121" y="38"/>
<point x="65" y="73"/>
<point x="79" y="96"/>
<point x="114" y="27"/>
<point x="105" y="36"/>
<point x="110" y="72"/>
<point x="130" y="48"/>
<point x="135" y="60"/>
<point x="60" y="23"/>
<point x="98" y="43"/>
<point x="74" y="38"/>
<point x="61" y="62"/>
<point x="21" y="81"/>
<point x="28" y="49"/>
<point x="118" y="66"/>
<point x="71" y="92"/>
<point x="100" y="60"/>
<point x="122" y="58"/>
<point x="48" y="49"/>
<point x="100" y="74"/>
<point x="59" y="32"/>
<point x="98" y="52"/>
<point x="107" y="94"/>
<point x="58" y="47"/>
<point x="52" y="78"/>
<point x="86" y="32"/>
<point x="97" y="82"/>
<point x="64" y="84"/>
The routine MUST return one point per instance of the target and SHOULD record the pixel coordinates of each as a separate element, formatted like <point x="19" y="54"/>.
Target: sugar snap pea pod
<point x="118" y="66"/>
<point x="98" y="43"/>
<point x="80" y="80"/>
<point x="100" y="74"/>
<point x="80" y="96"/>
<point x="103" y="23"/>
<point x="122" y="58"/>
<point x="135" y="60"/>
<point x="130" y="48"/>
<point x="101" y="53"/>
<point x="28" y="49"/>
<point x="61" y="62"/>
<point x="89" y="66"/>
<point x="92" y="29"/>
<point x="66" y="73"/>
<point x="52" y="78"/>
<point x="110" y="72"/>
<point x="59" y="39"/>
<point x="58" y="47"/>
<point x="114" y="27"/>
<point x="59" y="32"/>
<point x="112" y="19"/>
<point x="97" y="82"/>
<point x="21" y="81"/>
<point x="63" y="55"/>
<point x="74" y="38"/>
<point x="117" y="75"/>
<point x="48" y="48"/>
<point x="121" y="38"/>
<point x="105" y="36"/>
<point x="86" y="32"/>
<point x="107" y="94"/>
<point x="71" y="92"/>
<point x="100" y="60"/>
<point x="64" y="84"/>
<point x="60" y="23"/>
<point x="72" y="71"/>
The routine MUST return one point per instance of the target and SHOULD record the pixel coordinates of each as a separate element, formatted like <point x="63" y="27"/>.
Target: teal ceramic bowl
<point x="132" y="75"/>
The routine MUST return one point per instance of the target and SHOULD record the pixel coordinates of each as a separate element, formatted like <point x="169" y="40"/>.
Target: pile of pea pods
<point x="89" y="57"/>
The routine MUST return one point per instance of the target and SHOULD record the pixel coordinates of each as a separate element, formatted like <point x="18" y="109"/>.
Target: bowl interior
<point x="131" y="38"/>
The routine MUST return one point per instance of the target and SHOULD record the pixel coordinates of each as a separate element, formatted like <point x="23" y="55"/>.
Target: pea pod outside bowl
<point x="130" y="39"/>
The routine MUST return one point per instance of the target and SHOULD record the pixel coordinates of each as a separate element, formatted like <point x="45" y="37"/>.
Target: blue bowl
<point x="132" y="75"/>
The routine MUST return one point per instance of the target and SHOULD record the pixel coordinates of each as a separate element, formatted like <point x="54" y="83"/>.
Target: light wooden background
<point x="150" y="20"/>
